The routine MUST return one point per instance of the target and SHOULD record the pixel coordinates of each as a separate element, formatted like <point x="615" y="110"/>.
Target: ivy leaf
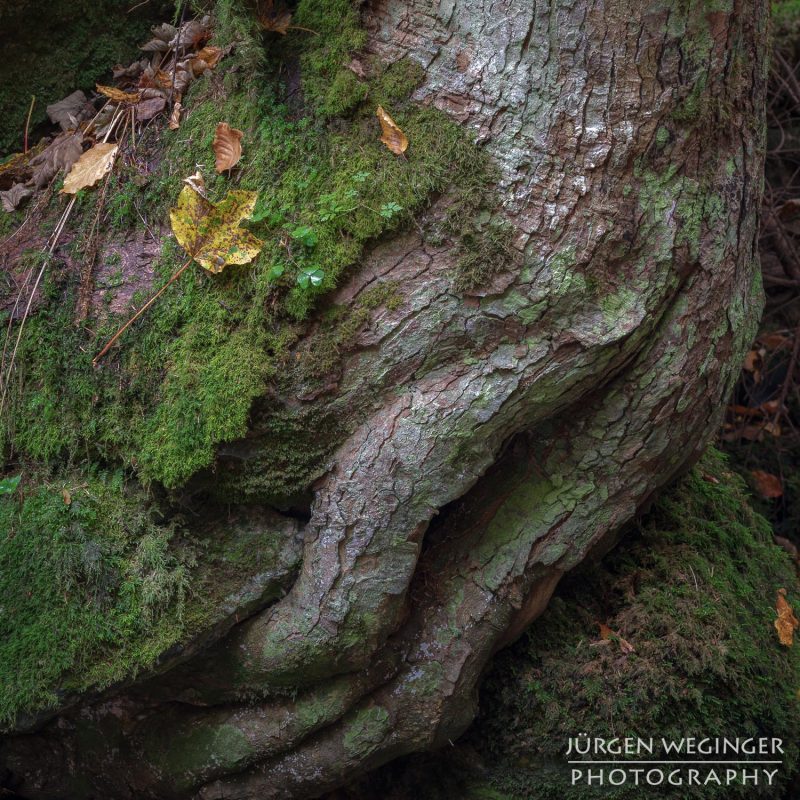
<point x="9" y="485"/>
<point x="210" y="233"/>
<point x="310" y="276"/>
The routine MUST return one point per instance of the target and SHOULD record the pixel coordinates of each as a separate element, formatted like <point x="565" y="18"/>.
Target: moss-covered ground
<point x="692" y="587"/>
<point x="95" y="589"/>
<point x="185" y="378"/>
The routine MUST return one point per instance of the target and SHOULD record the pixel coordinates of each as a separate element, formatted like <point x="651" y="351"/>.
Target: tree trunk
<point x="508" y="430"/>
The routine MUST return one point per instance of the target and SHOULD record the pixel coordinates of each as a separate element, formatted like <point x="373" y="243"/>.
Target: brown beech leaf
<point x="275" y="20"/>
<point x="227" y="146"/>
<point x="768" y="485"/>
<point x="68" y="112"/>
<point x="93" y="165"/>
<point x="148" y="109"/>
<point x="787" y="622"/>
<point x="61" y="153"/>
<point x="205" y="59"/>
<point x="117" y="95"/>
<point x="11" y="198"/>
<point x="391" y="135"/>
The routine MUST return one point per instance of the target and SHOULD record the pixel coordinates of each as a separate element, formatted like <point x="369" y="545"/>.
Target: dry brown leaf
<point x="787" y="622"/>
<point x="772" y="341"/>
<point x="93" y="165"/>
<point x="148" y="109"/>
<point x="752" y="363"/>
<point x="205" y="59"/>
<point x="391" y="135"/>
<point x="175" y="116"/>
<point x="768" y="485"/>
<point x="227" y="146"/>
<point x="61" y="153"/>
<point x="68" y="112"/>
<point x="607" y="633"/>
<point x="197" y="183"/>
<point x="117" y="95"/>
<point x="11" y="198"/>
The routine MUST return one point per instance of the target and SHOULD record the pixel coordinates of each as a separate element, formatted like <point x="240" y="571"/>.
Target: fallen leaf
<point x="191" y="34"/>
<point x="391" y="135"/>
<point x="11" y="198"/>
<point x="607" y="633"/>
<point x="772" y="341"/>
<point x="133" y="71"/>
<point x="197" y="183"/>
<point x="93" y="165"/>
<point x="768" y="485"/>
<point x="227" y="146"/>
<point x="117" y="95"/>
<point x="205" y="59"/>
<point x="175" y="117"/>
<point x="148" y="109"/>
<point x="68" y="112"/>
<point x="210" y="233"/>
<point x="787" y="622"/>
<point x="163" y="34"/>
<point x="60" y="154"/>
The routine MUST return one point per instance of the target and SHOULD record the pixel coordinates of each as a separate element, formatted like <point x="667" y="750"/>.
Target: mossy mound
<point x="98" y="587"/>
<point x="184" y="379"/>
<point x="693" y="588"/>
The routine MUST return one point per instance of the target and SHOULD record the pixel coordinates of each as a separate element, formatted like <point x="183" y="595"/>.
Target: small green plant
<point x="310" y="276"/>
<point x="305" y="235"/>
<point x="388" y="210"/>
<point x="9" y="485"/>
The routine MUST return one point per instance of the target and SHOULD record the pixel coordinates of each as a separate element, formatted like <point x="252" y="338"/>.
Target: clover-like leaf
<point x="210" y="233"/>
<point x="310" y="276"/>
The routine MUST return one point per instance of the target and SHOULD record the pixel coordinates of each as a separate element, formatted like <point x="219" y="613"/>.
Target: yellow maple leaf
<point x="786" y="622"/>
<point x="210" y="233"/>
<point x="93" y="165"/>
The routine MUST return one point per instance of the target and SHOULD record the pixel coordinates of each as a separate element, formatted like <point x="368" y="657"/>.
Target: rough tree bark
<point x="517" y="427"/>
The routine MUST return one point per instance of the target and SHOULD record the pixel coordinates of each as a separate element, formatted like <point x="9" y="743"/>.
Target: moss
<point x="693" y="589"/>
<point x="188" y="376"/>
<point x="85" y="570"/>
<point x="365" y="729"/>
<point x="486" y="250"/>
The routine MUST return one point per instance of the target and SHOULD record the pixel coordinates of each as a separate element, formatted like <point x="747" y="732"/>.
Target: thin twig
<point x="139" y="313"/>
<point x="27" y="125"/>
